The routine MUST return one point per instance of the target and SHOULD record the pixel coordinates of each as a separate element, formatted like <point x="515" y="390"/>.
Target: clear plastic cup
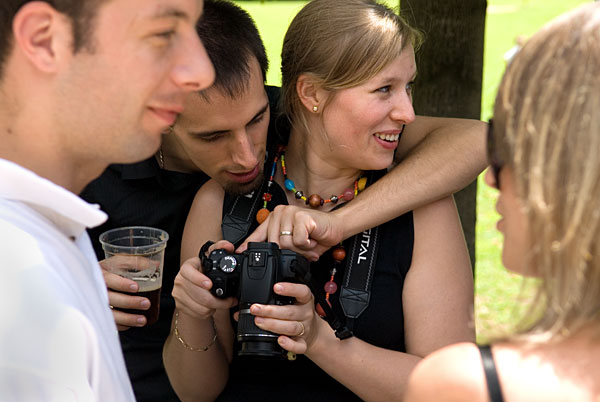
<point x="137" y="253"/>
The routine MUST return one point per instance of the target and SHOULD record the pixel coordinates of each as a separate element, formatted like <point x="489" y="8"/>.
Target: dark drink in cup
<point x="137" y="253"/>
<point x="152" y="313"/>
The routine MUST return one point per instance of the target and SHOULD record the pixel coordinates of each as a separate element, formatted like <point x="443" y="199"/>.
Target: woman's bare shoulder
<point x="562" y="371"/>
<point x="453" y="373"/>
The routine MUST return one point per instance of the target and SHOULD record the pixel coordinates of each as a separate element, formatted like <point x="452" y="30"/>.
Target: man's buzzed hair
<point x="231" y="40"/>
<point x="81" y="13"/>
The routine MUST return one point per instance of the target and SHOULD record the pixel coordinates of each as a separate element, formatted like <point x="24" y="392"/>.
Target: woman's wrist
<point x="322" y="342"/>
<point x="192" y="333"/>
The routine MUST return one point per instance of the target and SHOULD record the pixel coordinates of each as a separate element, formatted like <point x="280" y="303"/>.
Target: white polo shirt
<point x="58" y="339"/>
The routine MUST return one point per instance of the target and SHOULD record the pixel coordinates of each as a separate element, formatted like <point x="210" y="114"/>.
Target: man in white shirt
<point x="83" y="83"/>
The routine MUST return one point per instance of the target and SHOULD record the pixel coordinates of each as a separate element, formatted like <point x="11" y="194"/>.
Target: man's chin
<point x="233" y="188"/>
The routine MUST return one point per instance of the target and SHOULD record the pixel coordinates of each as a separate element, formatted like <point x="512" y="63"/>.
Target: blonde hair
<point x="547" y="127"/>
<point x="340" y="44"/>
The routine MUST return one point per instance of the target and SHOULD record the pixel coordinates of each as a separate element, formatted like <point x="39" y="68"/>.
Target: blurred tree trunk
<point x="450" y="70"/>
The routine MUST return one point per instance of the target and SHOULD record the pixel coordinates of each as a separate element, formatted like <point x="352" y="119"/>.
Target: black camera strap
<point x="358" y="277"/>
<point x="238" y="220"/>
<point x="360" y="264"/>
<point x="338" y="324"/>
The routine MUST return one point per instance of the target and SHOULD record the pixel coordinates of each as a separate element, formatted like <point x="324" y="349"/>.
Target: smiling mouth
<point x="388" y="137"/>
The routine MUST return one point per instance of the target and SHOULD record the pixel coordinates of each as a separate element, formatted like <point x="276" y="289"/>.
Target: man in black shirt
<point x="223" y="133"/>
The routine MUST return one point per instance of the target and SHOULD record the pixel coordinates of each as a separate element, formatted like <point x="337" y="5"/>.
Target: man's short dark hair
<point x="231" y="39"/>
<point x="81" y="13"/>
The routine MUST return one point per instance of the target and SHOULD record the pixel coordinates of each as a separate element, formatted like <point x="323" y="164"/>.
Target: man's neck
<point x="44" y="155"/>
<point x="172" y="157"/>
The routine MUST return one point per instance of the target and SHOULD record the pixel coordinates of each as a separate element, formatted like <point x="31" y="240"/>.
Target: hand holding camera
<point x="250" y="276"/>
<point x="192" y="290"/>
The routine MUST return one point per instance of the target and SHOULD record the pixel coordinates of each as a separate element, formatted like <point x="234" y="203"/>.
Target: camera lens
<point x="254" y="341"/>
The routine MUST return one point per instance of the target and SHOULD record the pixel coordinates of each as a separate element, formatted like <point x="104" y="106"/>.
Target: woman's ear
<point x="43" y="35"/>
<point x="310" y="93"/>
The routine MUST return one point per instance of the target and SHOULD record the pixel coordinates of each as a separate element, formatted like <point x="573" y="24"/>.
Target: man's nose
<point x="193" y="70"/>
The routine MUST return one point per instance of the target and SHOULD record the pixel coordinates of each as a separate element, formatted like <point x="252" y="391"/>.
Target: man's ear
<point x="42" y="35"/>
<point x="310" y="93"/>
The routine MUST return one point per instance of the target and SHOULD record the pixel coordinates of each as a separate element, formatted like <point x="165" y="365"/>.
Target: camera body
<point x="250" y="277"/>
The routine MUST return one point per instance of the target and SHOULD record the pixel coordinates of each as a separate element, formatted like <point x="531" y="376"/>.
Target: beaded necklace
<point x="262" y="213"/>
<point x="314" y="201"/>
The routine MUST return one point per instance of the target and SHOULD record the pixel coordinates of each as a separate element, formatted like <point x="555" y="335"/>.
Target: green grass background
<point x="499" y="296"/>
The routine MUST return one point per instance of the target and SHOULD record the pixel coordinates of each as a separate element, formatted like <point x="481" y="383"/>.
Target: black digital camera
<point x="250" y="277"/>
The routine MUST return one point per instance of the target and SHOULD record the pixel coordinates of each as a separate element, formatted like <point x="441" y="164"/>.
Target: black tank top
<point x="381" y="324"/>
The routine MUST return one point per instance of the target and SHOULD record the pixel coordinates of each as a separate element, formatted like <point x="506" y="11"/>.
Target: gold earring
<point x="315" y="108"/>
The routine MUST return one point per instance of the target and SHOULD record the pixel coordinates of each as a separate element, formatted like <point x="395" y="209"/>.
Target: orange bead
<point x="262" y="214"/>
<point x="320" y="310"/>
<point x="339" y="253"/>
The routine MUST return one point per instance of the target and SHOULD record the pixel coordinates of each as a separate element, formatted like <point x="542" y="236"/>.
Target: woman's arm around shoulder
<point x="451" y="374"/>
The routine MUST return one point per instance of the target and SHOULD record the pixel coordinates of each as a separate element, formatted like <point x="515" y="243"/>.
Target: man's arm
<point x="437" y="157"/>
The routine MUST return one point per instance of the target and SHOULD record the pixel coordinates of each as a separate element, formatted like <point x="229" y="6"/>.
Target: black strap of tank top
<point x="491" y="375"/>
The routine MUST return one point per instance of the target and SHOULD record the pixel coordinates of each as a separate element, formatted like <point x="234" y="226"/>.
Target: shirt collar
<point x="66" y="210"/>
<point x="141" y="170"/>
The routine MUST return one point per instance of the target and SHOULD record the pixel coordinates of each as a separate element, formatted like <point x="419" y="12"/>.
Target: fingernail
<point x="258" y="320"/>
<point x="141" y="321"/>
<point x="133" y="287"/>
<point x="145" y="303"/>
<point x="278" y="287"/>
<point x="206" y="284"/>
<point x="255" y="309"/>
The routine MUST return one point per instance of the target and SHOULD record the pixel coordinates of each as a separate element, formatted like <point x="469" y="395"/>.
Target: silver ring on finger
<point x="285" y="233"/>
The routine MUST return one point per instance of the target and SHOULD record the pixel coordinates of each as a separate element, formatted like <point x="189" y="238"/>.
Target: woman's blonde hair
<point x="547" y="127"/>
<point x="340" y="44"/>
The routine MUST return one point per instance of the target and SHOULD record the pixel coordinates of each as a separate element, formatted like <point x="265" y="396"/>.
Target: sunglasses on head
<point x="494" y="160"/>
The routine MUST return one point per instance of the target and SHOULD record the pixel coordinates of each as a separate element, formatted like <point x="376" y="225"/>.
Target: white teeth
<point x="388" y="137"/>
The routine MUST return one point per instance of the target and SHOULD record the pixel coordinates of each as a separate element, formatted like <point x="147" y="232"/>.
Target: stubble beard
<point x="236" y="189"/>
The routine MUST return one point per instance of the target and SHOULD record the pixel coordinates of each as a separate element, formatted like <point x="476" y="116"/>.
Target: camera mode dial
<point x="227" y="263"/>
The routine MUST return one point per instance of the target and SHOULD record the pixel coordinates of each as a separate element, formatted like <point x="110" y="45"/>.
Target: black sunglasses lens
<point x="493" y="160"/>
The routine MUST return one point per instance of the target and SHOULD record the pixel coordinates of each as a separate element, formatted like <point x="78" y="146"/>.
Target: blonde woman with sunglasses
<point x="543" y="148"/>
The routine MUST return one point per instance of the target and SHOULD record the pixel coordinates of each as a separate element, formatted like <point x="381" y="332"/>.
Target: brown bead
<point x="262" y="214"/>
<point x="339" y="253"/>
<point x="315" y="201"/>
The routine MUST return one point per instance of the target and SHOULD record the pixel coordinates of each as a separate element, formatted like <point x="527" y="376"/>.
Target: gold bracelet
<point x="185" y="344"/>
